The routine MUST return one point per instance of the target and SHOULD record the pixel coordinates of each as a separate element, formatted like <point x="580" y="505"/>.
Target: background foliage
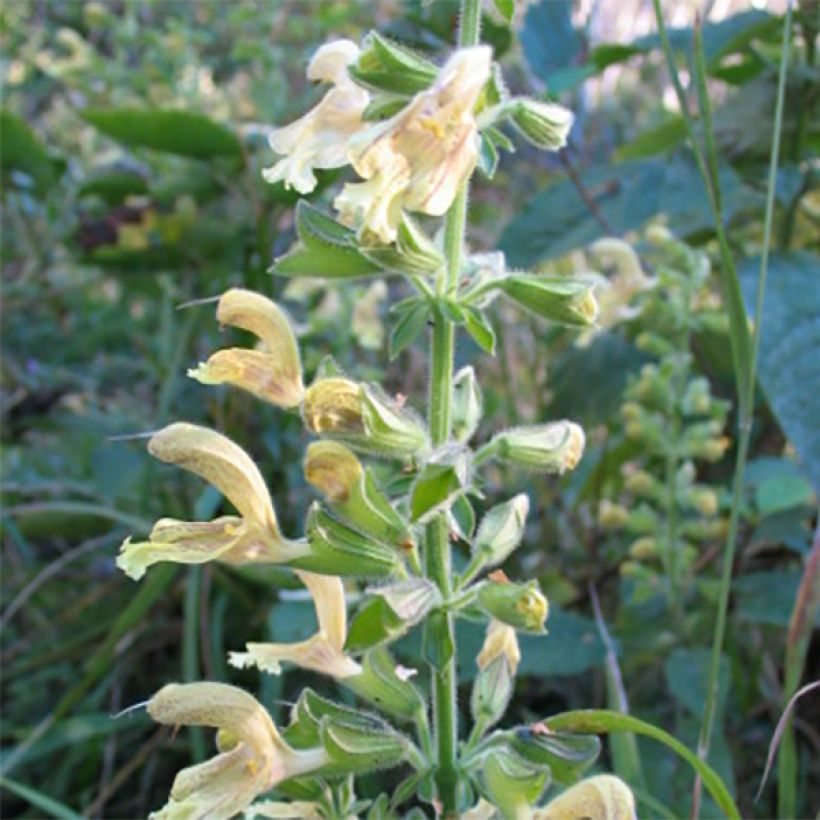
<point x="133" y="135"/>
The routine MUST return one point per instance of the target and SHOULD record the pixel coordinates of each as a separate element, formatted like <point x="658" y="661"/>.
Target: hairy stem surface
<point x="437" y="541"/>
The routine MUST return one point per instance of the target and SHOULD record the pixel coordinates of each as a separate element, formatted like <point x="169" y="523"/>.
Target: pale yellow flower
<point x="615" y="293"/>
<point x="252" y="757"/>
<point x="320" y="138"/>
<point x="298" y="810"/>
<point x="501" y="640"/>
<point x="604" y="797"/>
<point x="273" y="374"/>
<point x="252" y="536"/>
<point x="418" y="159"/>
<point x="324" y="652"/>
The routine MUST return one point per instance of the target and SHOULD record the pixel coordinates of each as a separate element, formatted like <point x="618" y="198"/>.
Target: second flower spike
<point x="273" y="374"/>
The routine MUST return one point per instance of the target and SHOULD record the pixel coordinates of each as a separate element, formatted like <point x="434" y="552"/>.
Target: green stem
<point x="745" y="424"/>
<point x="438" y="564"/>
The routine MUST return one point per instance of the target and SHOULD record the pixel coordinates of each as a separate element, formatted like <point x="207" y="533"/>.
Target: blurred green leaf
<point x="21" y="150"/>
<point x="185" y="133"/>
<point x="789" y="363"/>
<point x="767" y="597"/>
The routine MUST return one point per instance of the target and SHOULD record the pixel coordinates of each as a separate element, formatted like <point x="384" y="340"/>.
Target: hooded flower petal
<point x="253" y="537"/>
<point x="275" y="374"/>
<point x="419" y="158"/>
<point x="604" y="797"/>
<point x="253" y="757"/>
<point x="324" y="652"/>
<point x="501" y="640"/>
<point x="319" y="139"/>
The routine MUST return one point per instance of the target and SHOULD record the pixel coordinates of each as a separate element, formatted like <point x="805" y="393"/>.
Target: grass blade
<point x="746" y="401"/>
<point x="38" y="800"/>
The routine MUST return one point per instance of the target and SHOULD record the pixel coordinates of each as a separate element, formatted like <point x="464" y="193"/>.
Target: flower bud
<point x="521" y="606"/>
<point x="612" y="516"/>
<point x="381" y="683"/>
<point x="357" y="414"/>
<point x="385" y="65"/>
<point x="333" y="470"/>
<point x="640" y="483"/>
<point x="631" y="411"/>
<point x="704" y="500"/>
<point x="553" y="447"/>
<point x="543" y="124"/>
<point x="466" y="405"/>
<point x="500" y="642"/>
<point x="501" y="530"/>
<point x="711" y="449"/>
<point x="644" y="549"/>
<point x="513" y="785"/>
<point x="336" y="549"/>
<point x="562" y="299"/>
<point x="351" y="490"/>
<point x="697" y="399"/>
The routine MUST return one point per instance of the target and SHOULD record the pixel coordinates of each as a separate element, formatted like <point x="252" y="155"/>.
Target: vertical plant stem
<point x="437" y="539"/>
<point x="746" y="403"/>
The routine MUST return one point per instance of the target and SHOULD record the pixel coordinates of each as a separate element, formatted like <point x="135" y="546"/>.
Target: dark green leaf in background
<point x="185" y="133"/>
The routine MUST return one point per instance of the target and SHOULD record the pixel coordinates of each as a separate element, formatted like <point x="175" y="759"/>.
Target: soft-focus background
<point x="133" y="135"/>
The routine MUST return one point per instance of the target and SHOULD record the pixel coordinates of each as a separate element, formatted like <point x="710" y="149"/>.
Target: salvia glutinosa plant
<point x="669" y="515"/>
<point x="414" y="132"/>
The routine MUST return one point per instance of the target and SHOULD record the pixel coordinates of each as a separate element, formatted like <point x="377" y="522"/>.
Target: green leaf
<point x="789" y="364"/>
<point x="410" y="325"/>
<point x="686" y="672"/>
<point x="777" y="485"/>
<point x="337" y="549"/>
<point x="558" y="220"/>
<point x="173" y="131"/>
<point x="767" y="597"/>
<point x="437" y="641"/>
<point x="487" y="157"/>
<point x="506" y="8"/>
<point x="113" y="186"/>
<point x="563" y="299"/>
<point x="549" y="39"/>
<point x="567" y="755"/>
<point x="328" y="249"/>
<point x="669" y="134"/>
<point x="362" y="750"/>
<point x="602" y="721"/>
<point x="375" y="623"/>
<point x="381" y="685"/>
<point x="21" y="150"/>
<point x="443" y="477"/>
<point x="478" y="325"/>
<point x="40" y="801"/>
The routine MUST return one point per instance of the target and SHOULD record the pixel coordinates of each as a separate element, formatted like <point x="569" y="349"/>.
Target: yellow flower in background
<point x="615" y="293"/>
<point x="273" y="374"/>
<point x="418" y="159"/>
<point x="501" y="640"/>
<point x="324" y="652"/>
<point x="252" y="757"/>
<point x="252" y="536"/>
<point x="604" y="797"/>
<point x="320" y="138"/>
